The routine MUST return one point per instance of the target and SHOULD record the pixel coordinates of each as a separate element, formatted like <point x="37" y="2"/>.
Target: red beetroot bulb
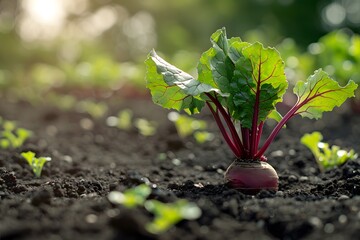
<point x="251" y="176"/>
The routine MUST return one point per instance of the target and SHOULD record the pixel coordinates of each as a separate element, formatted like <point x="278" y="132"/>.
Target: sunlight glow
<point x="49" y="12"/>
<point x="41" y="19"/>
<point x="334" y="14"/>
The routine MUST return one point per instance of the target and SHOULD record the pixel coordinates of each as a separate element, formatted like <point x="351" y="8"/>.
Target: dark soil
<point x="90" y="159"/>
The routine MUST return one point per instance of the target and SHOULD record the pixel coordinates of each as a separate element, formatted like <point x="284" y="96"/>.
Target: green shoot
<point x="145" y="127"/>
<point x="125" y="119"/>
<point x="187" y="126"/>
<point x="166" y="215"/>
<point x="169" y="214"/>
<point x="203" y="136"/>
<point x="95" y="110"/>
<point x="132" y="197"/>
<point x="11" y="136"/>
<point x="35" y="163"/>
<point x="326" y="157"/>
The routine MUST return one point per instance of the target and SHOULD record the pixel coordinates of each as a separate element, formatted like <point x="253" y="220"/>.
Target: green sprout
<point x="203" y="136"/>
<point x="145" y="127"/>
<point x="166" y="215"/>
<point x="326" y="157"/>
<point x="94" y="109"/>
<point x="187" y="126"/>
<point x="132" y="197"/>
<point x="36" y="163"/>
<point x="11" y="136"/>
<point x="169" y="214"/>
<point x="125" y="119"/>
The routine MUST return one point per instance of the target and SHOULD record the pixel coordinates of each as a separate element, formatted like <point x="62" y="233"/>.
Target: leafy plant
<point x="339" y="53"/>
<point x="124" y="119"/>
<point x="166" y="214"/>
<point x="145" y="127"/>
<point x="241" y="83"/>
<point x="35" y="163"/>
<point x="11" y="135"/>
<point x="132" y="197"/>
<point x="94" y="109"/>
<point x="187" y="126"/>
<point x="169" y="214"/>
<point x="326" y="157"/>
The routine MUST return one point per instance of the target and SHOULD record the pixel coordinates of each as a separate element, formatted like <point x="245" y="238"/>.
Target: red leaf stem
<point x="228" y="121"/>
<point x="226" y="136"/>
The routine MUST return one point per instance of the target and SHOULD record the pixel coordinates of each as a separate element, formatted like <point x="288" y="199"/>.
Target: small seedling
<point x="241" y="84"/>
<point x="169" y="214"/>
<point x="166" y="215"/>
<point x="187" y="126"/>
<point x="125" y="119"/>
<point x="35" y="163"/>
<point x="327" y="158"/>
<point x="94" y="109"/>
<point x="11" y="136"/>
<point x="132" y="197"/>
<point x="146" y="128"/>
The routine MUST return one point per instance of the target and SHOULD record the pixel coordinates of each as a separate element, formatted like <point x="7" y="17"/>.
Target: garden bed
<point x="90" y="159"/>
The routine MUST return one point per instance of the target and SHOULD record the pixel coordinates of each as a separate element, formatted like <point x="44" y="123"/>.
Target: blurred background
<point x="60" y="51"/>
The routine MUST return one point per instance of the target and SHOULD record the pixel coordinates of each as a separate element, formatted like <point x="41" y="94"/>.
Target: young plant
<point x="145" y="127"/>
<point x="166" y="215"/>
<point x="132" y="197"/>
<point x="339" y="52"/>
<point x="241" y="83"/>
<point x="187" y="126"/>
<point x="169" y="214"/>
<point x="327" y="158"/>
<point x="35" y="163"/>
<point x="11" y="136"/>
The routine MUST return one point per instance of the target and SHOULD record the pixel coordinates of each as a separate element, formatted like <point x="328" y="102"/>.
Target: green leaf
<point x="29" y="156"/>
<point x="259" y="78"/>
<point x="275" y="115"/>
<point x="4" y="143"/>
<point x="311" y="141"/>
<point x="216" y="66"/>
<point x="241" y="73"/>
<point x="38" y="165"/>
<point x="321" y="94"/>
<point x="172" y="88"/>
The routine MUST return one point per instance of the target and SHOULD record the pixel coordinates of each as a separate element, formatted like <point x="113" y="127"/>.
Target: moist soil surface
<point x="91" y="159"/>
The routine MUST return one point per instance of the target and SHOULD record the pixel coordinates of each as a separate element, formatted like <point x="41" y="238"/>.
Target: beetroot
<point x="251" y="176"/>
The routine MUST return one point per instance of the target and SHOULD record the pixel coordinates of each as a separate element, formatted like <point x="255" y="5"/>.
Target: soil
<point x="90" y="159"/>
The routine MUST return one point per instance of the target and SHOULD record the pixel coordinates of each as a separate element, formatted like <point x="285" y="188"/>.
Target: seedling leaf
<point x="35" y="163"/>
<point x="167" y="215"/>
<point x="326" y="157"/>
